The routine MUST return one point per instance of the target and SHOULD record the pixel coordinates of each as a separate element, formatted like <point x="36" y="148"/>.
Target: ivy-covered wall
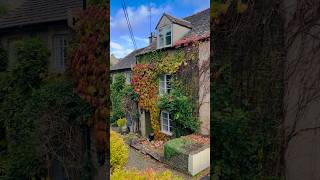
<point x="182" y="101"/>
<point x="247" y="90"/>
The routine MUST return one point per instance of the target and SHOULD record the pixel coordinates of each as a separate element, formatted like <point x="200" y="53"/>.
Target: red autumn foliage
<point x="89" y="66"/>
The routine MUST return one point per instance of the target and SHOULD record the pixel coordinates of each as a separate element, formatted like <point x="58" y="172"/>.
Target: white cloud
<point x="121" y="53"/>
<point x="119" y="50"/>
<point x="115" y="45"/>
<point x="139" y="40"/>
<point x="138" y="16"/>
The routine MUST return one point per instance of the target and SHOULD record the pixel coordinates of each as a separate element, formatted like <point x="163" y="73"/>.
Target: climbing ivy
<point x="145" y="81"/>
<point x="246" y="91"/>
<point x="181" y="108"/>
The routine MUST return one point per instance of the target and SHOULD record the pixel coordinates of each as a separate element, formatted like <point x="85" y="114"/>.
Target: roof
<point x="200" y="23"/>
<point x="126" y="62"/>
<point x="176" y="21"/>
<point x="39" y="11"/>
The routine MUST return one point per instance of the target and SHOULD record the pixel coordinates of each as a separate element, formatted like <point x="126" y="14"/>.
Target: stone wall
<point x="204" y="87"/>
<point x="302" y="100"/>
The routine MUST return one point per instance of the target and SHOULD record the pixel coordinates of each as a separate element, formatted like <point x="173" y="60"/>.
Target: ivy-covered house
<point x="172" y="79"/>
<point x="51" y="20"/>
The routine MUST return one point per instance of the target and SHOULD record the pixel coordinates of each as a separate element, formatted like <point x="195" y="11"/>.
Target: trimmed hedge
<point x="118" y="152"/>
<point x="176" y="146"/>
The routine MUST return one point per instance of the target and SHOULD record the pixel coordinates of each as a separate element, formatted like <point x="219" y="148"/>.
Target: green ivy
<point x="3" y="60"/>
<point x="182" y="110"/>
<point x="120" y="90"/>
<point x="27" y="96"/>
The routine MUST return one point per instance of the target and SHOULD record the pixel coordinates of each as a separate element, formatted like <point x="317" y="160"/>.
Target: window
<point x="165" y="85"/>
<point x="60" y="45"/>
<point x="128" y="77"/>
<point x="166" y="123"/>
<point x="164" y="36"/>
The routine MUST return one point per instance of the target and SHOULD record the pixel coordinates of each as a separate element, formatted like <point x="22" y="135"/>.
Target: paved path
<point x="140" y="161"/>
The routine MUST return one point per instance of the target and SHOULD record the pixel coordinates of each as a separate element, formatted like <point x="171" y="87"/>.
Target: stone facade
<point x="204" y="87"/>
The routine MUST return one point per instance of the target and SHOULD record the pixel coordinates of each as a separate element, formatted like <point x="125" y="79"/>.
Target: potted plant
<point x="122" y="124"/>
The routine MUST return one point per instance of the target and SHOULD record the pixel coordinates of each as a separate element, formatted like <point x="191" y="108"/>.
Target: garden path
<point x="140" y="161"/>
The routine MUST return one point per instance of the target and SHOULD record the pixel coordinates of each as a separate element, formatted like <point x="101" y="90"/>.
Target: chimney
<point x="152" y="38"/>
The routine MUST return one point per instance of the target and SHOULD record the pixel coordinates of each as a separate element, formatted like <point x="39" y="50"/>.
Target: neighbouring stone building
<point x="48" y="19"/>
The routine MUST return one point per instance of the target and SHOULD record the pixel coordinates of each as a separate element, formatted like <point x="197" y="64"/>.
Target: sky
<point x="138" y="12"/>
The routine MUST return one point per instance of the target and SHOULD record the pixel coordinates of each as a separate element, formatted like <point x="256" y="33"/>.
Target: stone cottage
<point x="171" y="35"/>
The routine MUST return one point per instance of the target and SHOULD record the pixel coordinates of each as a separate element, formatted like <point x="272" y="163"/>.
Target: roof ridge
<point x="176" y="17"/>
<point x="195" y="13"/>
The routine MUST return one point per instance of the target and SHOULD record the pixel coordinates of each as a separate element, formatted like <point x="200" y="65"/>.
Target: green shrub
<point x="118" y="152"/>
<point x="181" y="107"/>
<point x="32" y="60"/>
<point x="54" y="102"/>
<point x="143" y="175"/>
<point x="3" y="60"/>
<point x="176" y="146"/>
<point x="122" y="122"/>
<point x="116" y="96"/>
<point x="237" y="149"/>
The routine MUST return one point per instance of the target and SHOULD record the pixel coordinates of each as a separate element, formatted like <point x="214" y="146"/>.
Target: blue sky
<point x="138" y="12"/>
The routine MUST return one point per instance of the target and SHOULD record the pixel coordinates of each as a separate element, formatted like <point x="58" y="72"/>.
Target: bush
<point x="3" y="60"/>
<point x="118" y="152"/>
<point x="143" y="175"/>
<point x="117" y="94"/>
<point x="238" y="151"/>
<point x="49" y="114"/>
<point x="181" y="107"/>
<point x="31" y="67"/>
<point x="122" y="122"/>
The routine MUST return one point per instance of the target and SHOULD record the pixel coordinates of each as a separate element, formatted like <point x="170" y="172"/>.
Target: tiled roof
<point x="200" y="23"/>
<point x="39" y="11"/>
<point x="126" y="62"/>
<point x="176" y="21"/>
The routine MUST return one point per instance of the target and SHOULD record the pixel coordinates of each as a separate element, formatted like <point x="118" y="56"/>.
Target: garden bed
<point x="190" y="154"/>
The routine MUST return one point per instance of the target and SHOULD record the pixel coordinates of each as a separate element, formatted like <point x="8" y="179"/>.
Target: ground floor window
<point x="166" y="123"/>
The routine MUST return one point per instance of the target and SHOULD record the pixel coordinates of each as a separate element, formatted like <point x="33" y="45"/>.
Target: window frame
<point x="59" y="64"/>
<point x="164" y="30"/>
<point x="169" y="123"/>
<point x="165" y="82"/>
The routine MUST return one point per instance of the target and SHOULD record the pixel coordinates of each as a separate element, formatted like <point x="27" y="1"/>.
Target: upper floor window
<point x="60" y="45"/>
<point x="165" y="36"/>
<point x="165" y="85"/>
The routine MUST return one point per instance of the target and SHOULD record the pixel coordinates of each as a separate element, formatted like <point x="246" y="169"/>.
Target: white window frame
<point x="60" y="64"/>
<point x="164" y="30"/>
<point x="169" y="123"/>
<point x="166" y="83"/>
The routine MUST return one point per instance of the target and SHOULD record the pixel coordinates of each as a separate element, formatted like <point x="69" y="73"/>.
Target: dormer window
<point x="165" y="36"/>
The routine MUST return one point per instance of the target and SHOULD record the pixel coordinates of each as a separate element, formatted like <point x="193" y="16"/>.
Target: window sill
<point x="167" y="133"/>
